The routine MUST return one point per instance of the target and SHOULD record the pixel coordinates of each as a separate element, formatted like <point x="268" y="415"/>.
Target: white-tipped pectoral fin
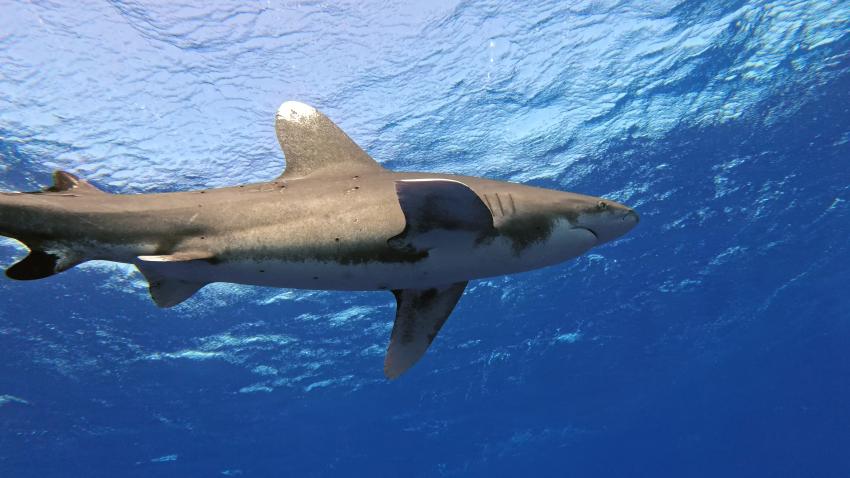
<point x="420" y="313"/>
<point x="439" y="212"/>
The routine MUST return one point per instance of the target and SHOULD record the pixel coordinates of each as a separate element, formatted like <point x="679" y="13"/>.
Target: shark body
<point x="334" y="220"/>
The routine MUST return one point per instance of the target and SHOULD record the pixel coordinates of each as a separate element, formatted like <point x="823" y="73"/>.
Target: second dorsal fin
<point x="314" y="145"/>
<point x="64" y="181"/>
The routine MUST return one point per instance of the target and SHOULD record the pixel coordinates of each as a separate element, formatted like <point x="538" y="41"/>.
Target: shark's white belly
<point x="444" y="265"/>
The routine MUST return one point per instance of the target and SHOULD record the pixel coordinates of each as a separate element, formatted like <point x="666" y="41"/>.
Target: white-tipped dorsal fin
<point x="314" y="145"/>
<point x="420" y="313"/>
<point x="64" y="181"/>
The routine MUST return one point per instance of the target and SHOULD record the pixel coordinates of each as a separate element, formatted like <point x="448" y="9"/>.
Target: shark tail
<point x="38" y="265"/>
<point x="47" y="257"/>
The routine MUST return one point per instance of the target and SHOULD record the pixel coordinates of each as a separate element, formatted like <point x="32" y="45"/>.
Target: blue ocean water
<point x="710" y="341"/>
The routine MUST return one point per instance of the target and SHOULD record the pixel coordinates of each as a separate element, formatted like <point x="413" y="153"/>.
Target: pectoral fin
<point x="440" y="211"/>
<point x="420" y="313"/>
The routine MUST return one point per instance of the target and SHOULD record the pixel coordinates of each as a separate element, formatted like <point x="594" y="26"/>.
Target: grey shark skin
<point x="335" y="219"/>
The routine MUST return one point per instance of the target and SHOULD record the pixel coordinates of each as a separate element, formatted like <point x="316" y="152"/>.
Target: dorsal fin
<point x="314" y="145"/>
<point x="64" y="181"/>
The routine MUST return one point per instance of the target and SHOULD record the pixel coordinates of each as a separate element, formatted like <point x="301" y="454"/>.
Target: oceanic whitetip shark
<point x="335" y="219"/>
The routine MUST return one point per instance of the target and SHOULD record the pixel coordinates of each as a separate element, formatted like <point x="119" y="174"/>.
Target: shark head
<point x="546" y="226"/>
<point x="605" y="219"/>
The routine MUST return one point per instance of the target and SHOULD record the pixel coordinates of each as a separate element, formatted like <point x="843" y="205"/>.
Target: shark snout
<point x="631" y="216"/>
<point x="608" y="220"/>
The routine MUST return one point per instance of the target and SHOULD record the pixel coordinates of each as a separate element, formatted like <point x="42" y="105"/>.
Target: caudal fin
<point x="37" y="265"/>
<point x="44" y="260"/>
<point x="47" y="256"/>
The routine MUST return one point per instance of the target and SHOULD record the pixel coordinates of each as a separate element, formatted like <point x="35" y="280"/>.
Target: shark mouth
<point x="590" y="231"/>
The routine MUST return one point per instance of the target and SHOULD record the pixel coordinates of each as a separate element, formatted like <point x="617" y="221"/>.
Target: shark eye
<point x="602" y="205"/>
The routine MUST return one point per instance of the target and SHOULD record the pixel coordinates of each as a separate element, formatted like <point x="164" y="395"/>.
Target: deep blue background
<point x="711" y="341"/>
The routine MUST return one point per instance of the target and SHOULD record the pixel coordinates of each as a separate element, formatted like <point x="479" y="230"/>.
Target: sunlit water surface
<point x="711" y="341"/>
